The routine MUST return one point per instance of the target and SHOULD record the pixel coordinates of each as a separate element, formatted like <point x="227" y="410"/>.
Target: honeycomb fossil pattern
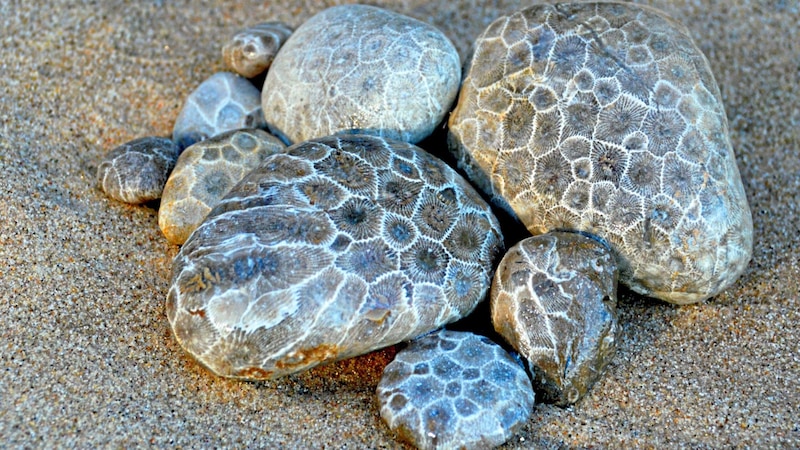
<point x="135" y="172"/>
<point x="223" y="102"/>
<point x="554" y="300"/>
<point x="361" y="69"/>
<point x="605" y="117"/>
<point x="337" y="247"/>
<point x="251" y="51"/>
<point x="205" y="172"/>
<point x="454" y="389"/>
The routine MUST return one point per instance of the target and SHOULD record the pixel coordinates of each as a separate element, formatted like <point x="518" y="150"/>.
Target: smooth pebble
<point x="251" y="51"/>
<point x="135" y="172"/>
<point x="453" y="389"/>
<point x="223" y="102"/>
<point x="205" y="172"/>
<point x="338" y="247"/>
<point x="361" y="69"/>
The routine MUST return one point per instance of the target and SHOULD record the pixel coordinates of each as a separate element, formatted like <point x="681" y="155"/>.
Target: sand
<point x="86" y="355"/>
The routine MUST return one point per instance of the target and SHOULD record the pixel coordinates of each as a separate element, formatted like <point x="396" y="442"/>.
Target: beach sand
<point x="87" y="358"/>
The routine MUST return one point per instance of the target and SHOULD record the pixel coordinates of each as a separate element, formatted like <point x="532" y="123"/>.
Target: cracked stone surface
<point x="554" y="299"/>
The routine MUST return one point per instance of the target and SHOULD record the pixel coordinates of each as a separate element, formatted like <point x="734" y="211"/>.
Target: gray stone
<point x="361" y="69"/>
<point x="251" y="51"/>
<point x="338" y="247"/>
<point x="454" y="389"/>
<point x="605" y="117"/>
<point x="135" y="172"/>
<point x="205" y="172"/>
<point x="223" y="102"/>
<point x="554" y="299"/>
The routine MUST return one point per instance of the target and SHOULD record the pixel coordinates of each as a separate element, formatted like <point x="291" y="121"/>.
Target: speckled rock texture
<point x="361" y="69"/>
<point x="454" y="389"/>
<point x="554" y="299"/>
<point x="339" y="247"/>
<point x="251" y="51"/>
<point x="223" y="102"/>
<point x="605" y="117"/>
<point x="88" y="360"/>
<point x="135" y="172"/>
<point x="205" y="172"/>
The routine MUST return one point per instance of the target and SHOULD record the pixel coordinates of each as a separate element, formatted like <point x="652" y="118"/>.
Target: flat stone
<point x="361" y="69"/>
<point x="251" y="51"/>
<point x="135" y="172"/>
<point x="453" y="389"/>
<point x="554" y="299"/>
<point x="605" y="117"/>
<point x="338" y="247"/>
<point x="223" y="102"/>
<point x="205" y="172"/>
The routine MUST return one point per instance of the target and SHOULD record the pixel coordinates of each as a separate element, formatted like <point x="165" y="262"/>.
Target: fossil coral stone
<point x="338" y="247"/>
<point x="205" y="172"/>
<point x="251" y="51"/>
<point x="554" y="300"/>
<point x="452" y="389"/>
<point x="361" y="69"/>
<point x="605" y="117"/>
<point x="224" y="102"/>
<point x="135" y="172"/>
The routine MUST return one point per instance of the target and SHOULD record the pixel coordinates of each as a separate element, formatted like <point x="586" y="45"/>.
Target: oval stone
<point x="205" y="172"/>
<point x="453" y="389"/>
<point x="605" y="117"/>
<point x="361" y="69"/>
<point x="251" y="51"/>
<point x="135" y="172"/>
<point x="223" y="102"/>
<point x="554" y="299"/>
<point x="338" y="247"/>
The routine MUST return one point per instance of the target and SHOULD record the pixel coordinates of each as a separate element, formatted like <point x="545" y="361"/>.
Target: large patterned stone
<point x="205" y="172"/>
<point x="340" y="246"/>
<point x="361" y="69"/>
<point x="554" y="299"/>
<point x="605" y="117"/>
<point x="453" y="389"/>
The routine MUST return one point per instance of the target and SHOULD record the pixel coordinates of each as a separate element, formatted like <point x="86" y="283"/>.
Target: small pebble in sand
<point x="554" y="299"/>
<point x="340" y="246"/>
<point x="453" y="389"/>
<point x="205" y="172"/>
<point x="135" y="172"/>
<point x="251" y="51"/>
<point x="224" y="102"/>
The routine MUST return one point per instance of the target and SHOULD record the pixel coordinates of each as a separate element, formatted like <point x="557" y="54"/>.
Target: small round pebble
<point x="337" y="247"/>
<point x="362" y="70"/>
<point x="135" y="172"/>
<point x="606" y="118"/>
<point x="205" y="172"/>
<point x="223" y="102"/>
<point x="554" y="299"/>
<point x="454" y="389"/>
<point x="251" y="51"/>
